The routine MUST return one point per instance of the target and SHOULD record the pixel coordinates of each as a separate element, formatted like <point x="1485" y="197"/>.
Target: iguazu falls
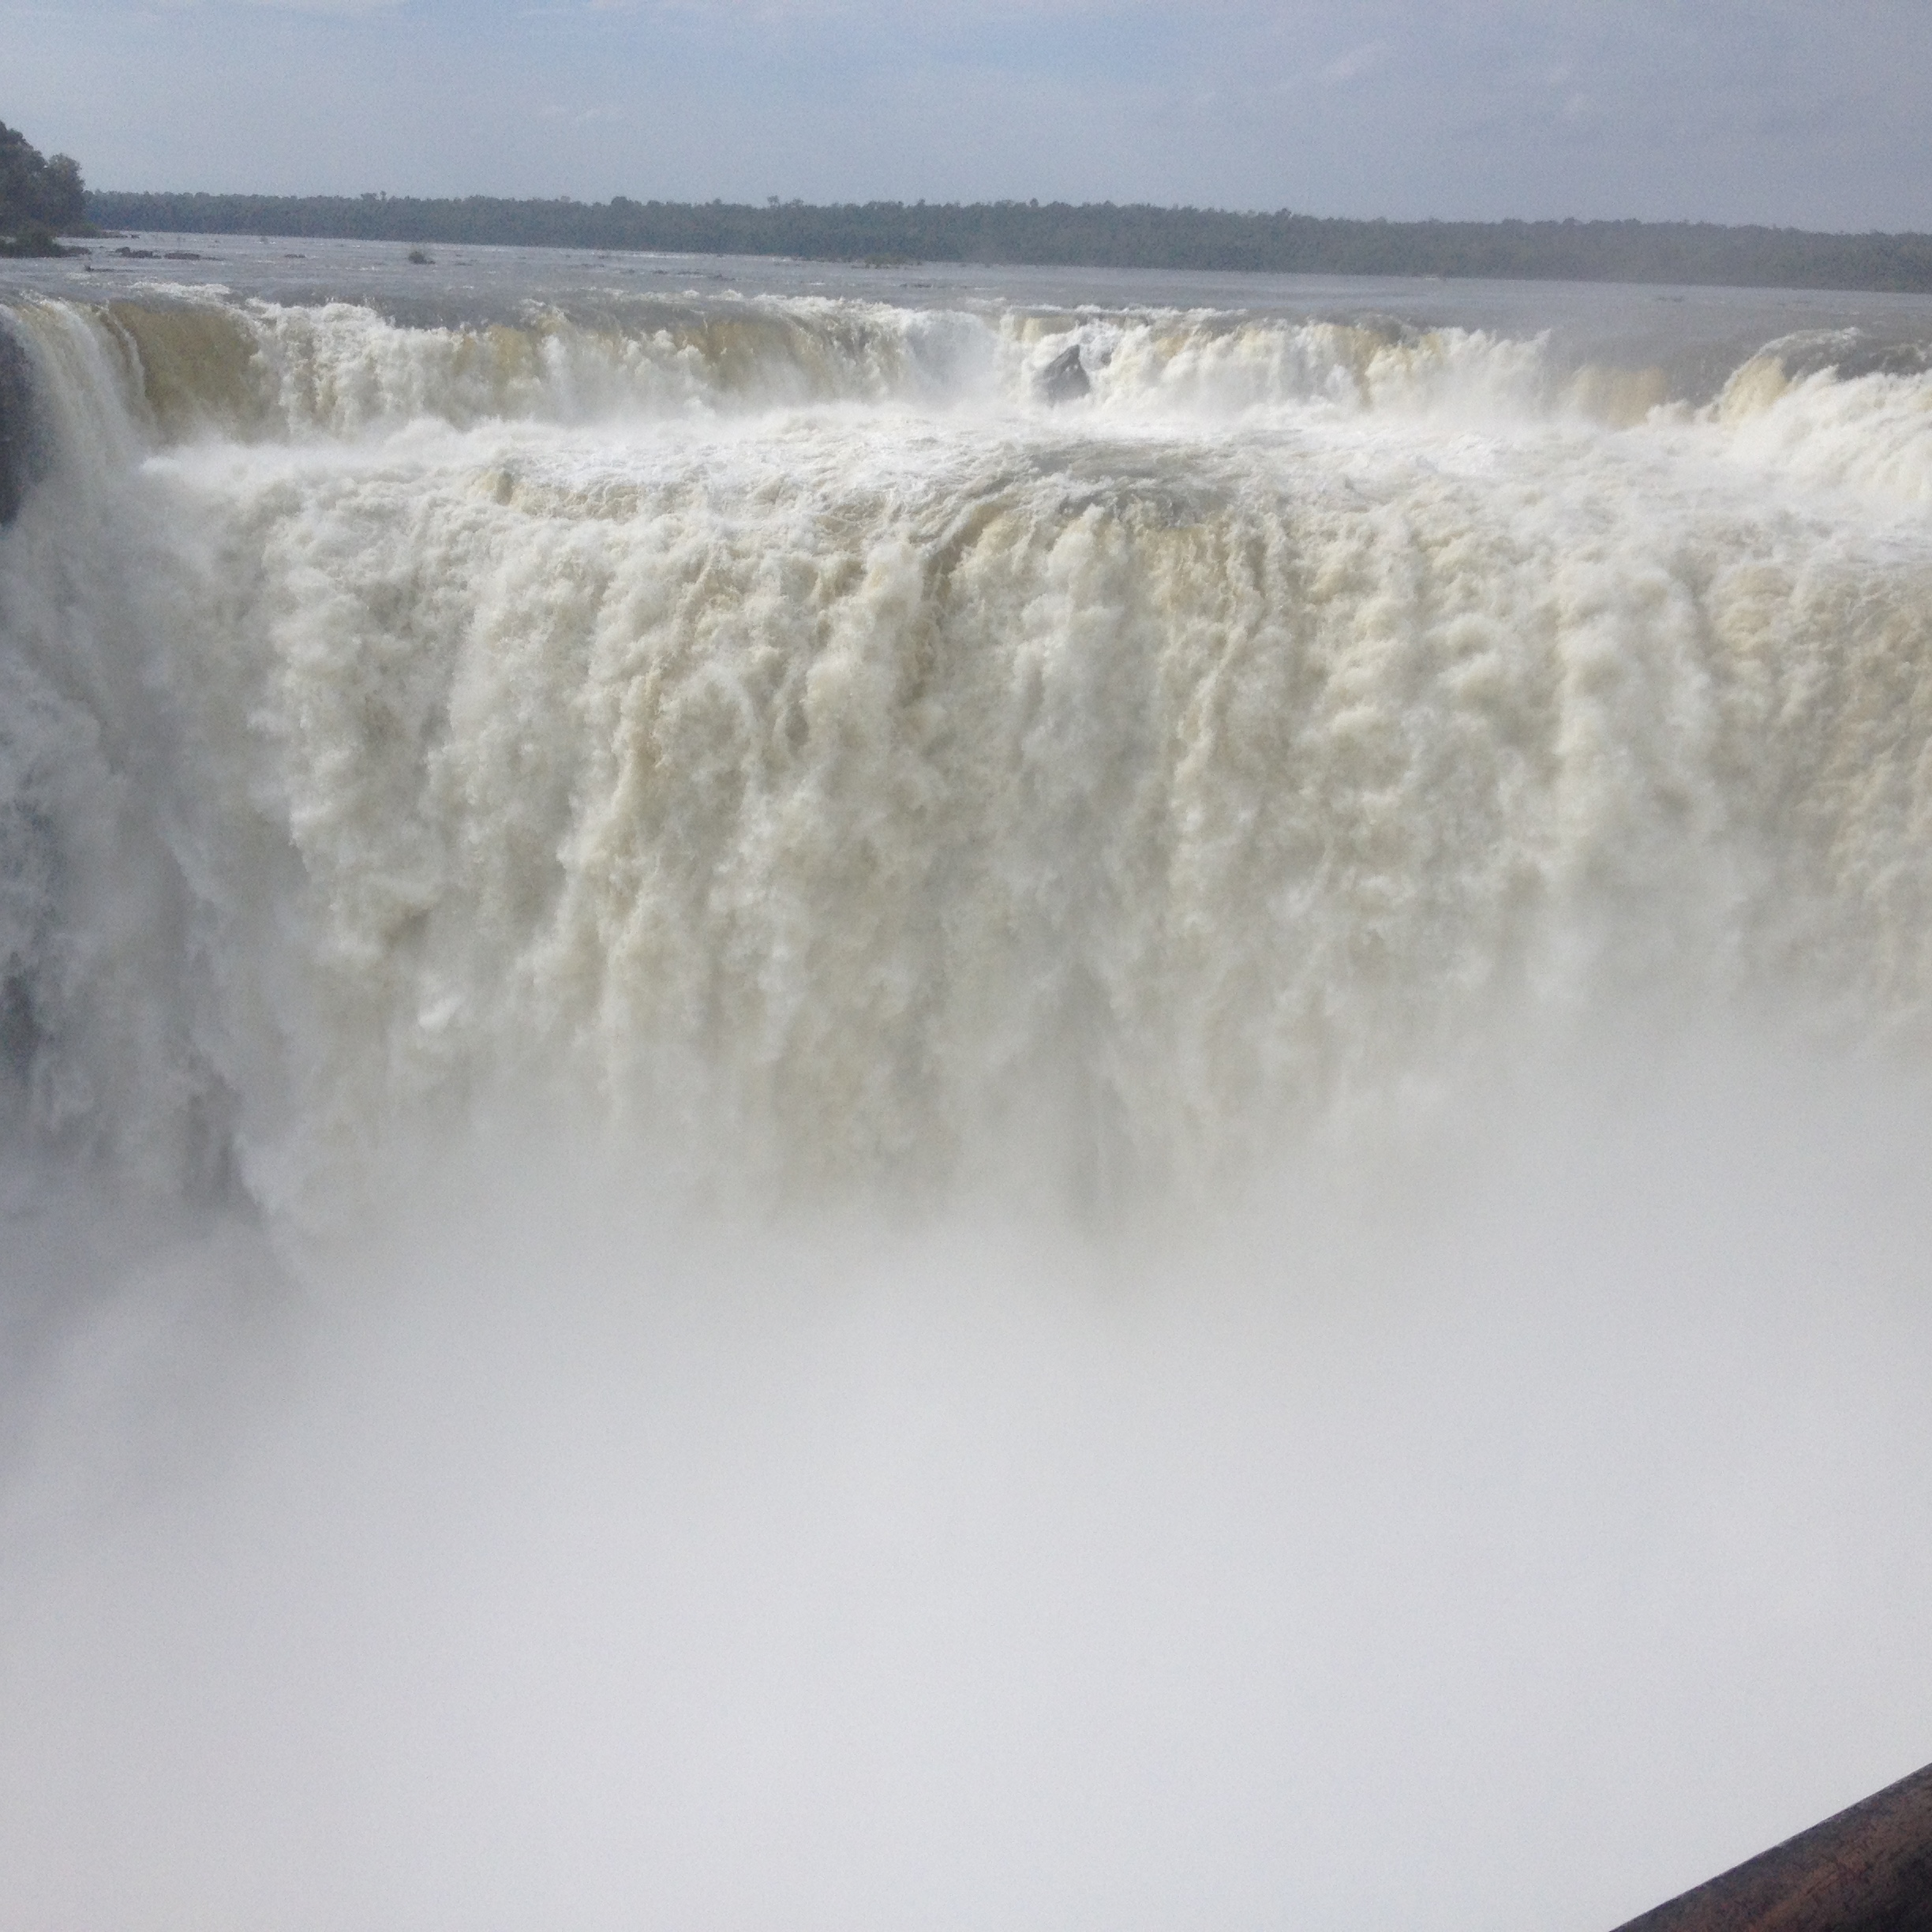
<point x="958" y="1097"/>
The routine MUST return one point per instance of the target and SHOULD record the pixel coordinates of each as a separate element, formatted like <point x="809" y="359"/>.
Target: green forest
<point x="40" y="197"/>
<point x="1059" y="233"/>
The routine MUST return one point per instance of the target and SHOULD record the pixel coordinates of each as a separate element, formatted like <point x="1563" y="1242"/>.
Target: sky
<point x="1805" y="113"/>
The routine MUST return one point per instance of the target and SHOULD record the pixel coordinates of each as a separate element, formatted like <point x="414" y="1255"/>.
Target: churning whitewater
<point x="839" y="742"/>
<point x="839" y="1103"/>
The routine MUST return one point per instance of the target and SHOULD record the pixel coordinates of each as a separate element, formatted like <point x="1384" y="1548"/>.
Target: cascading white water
<point x="1224" y="841"/>
<point x="784" y="730"/>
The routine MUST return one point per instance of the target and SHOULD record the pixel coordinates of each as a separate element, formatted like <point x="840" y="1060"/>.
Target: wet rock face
<point x="1064" y="378"/>
<point x="18" y="439"/>
<point x="26" y="438"/>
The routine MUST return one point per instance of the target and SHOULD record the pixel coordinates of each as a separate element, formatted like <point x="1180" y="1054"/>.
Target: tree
<point x="37" y="193"/>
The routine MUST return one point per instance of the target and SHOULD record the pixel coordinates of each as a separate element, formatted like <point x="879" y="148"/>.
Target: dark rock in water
<point x="19" y="1037"/>
<point x="21" y="445"/>
<point x="1064" y="378"/>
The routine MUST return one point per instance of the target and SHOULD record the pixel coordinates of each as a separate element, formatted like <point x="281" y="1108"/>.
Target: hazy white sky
<point x="1789" y="111"/>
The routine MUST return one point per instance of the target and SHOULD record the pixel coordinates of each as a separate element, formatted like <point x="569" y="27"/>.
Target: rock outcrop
<point x="1064" y="378"/>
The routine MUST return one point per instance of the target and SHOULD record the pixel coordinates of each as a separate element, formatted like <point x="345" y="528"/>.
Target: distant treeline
<point x="1092" y="235"/>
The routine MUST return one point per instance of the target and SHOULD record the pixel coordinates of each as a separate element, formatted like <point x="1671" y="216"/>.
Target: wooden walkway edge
<point x="1867" y="1869"/>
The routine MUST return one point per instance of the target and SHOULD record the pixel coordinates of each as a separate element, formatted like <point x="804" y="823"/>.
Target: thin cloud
<point x="1353" y="65"/>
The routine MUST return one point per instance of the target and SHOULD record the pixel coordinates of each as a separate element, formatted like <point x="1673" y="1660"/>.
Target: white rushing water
<point x="821" y="1112"/>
